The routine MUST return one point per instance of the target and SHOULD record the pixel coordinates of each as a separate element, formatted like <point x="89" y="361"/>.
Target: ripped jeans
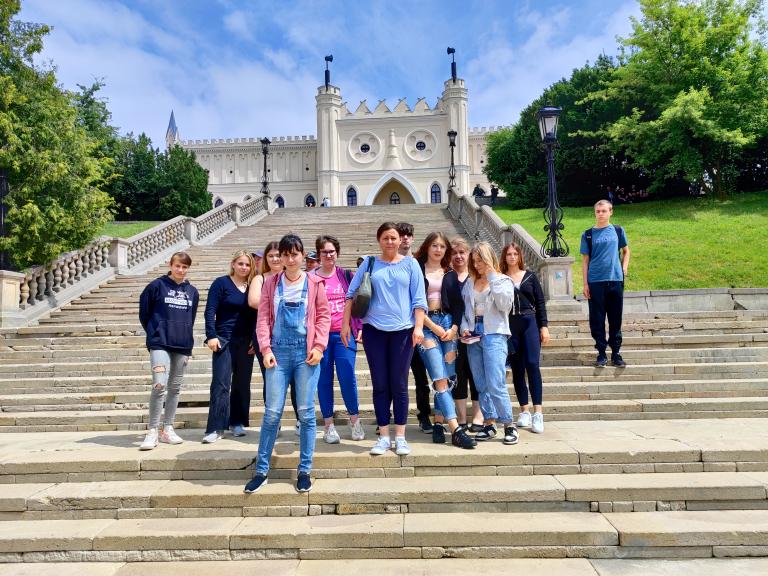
<point x="440" y="361"/>
<point x="167" y="377"/>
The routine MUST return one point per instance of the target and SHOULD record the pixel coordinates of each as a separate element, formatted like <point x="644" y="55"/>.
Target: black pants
<point x="606" y="299"/>
<point x="230" y="387"/>
<point x="422" y="387"/>
<point x="464" y="379"/>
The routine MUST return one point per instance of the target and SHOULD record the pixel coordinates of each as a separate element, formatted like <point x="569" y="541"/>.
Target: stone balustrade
<point x="482" y="223"/>
<point x="26" y="296"/>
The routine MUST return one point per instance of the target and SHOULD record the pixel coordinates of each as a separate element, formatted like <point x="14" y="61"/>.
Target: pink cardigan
<point x="318" y="314"/>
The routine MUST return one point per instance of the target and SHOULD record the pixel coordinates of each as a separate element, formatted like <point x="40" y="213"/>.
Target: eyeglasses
<point x="327" y="253"/>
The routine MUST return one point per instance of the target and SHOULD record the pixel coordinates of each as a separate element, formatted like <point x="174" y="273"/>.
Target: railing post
<point x="190" y="230"/>
<point x="118" y="255"/>
<point x="235" y="214"/>
<point x="10" y="294"/>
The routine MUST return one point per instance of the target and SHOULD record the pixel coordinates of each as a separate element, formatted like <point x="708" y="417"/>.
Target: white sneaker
<point x="331" y="436"/>
<point x="401" y="447"/>
<point x="150" y="440"/>
<point x="381" y="447"/>
<point x="169" y="436"/>
<point x="524" y="420"/>
<point x="357" y="430"/>
<point x="238" y="431"/>
<point x="298" y="428"/>
<point x="538" y="423"/>
<point x="212" y="437"/>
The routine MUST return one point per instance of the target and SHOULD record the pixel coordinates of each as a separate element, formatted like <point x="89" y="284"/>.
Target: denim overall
<point x="289" y="345"/>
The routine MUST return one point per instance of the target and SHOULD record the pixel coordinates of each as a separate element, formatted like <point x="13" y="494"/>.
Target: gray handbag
<point x="364" y="293"/>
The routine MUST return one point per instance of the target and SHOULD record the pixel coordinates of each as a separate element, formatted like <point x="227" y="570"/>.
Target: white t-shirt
<point x="291" y="293"/>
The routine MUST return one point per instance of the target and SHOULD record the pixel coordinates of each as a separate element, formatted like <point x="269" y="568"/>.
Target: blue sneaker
<point x="602" y="361"/>
<point x="255" y="484"/>
<point x="303" y="482"/>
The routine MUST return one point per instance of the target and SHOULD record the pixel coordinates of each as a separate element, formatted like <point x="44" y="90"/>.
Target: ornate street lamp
<point x="452" y="53"/>
<point x="5" y="261"/>
<point x="452" y="170"/>
<point x="554" y="245"/>
<point x="264" y="179"/>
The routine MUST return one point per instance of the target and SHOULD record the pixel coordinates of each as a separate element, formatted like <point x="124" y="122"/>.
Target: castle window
<point x="280" y="202"/>
<point x="421" y="146"/>
<point x="351" y="197"/>
<point x="365" y="148"/>
<point x="435" y="195"/>
<point x="218" y="202"/>
<point x="394" y="198"/>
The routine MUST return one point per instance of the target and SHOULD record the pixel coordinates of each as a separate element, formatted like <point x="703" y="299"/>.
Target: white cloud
<point x="237" y="22"/>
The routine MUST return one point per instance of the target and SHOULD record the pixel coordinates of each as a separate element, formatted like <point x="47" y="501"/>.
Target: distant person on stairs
<point x="167" y="310"/>
<point x="392" y="327"/>
<point x="337" y="280"/>
<point x="294" y="320"/>
<point x="604" y="264"/>
<point x="229" y="323"/>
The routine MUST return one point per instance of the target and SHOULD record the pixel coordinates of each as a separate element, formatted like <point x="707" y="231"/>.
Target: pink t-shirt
<point x="336" y="299"/>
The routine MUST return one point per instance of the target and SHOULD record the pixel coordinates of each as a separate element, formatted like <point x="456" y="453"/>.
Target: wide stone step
<point x="413" y="495"/>
<point x="613" y="535"/>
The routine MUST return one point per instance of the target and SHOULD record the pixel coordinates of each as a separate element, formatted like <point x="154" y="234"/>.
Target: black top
<point x="450" y="294"/>
<point x="167" y="313"/>
<point x="227" y="314"/>
<point x="529" y="299"/>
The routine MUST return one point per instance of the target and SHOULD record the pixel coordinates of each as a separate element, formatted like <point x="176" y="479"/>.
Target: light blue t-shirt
<point x="604" y="263"/>
<point x="398" y="289"/>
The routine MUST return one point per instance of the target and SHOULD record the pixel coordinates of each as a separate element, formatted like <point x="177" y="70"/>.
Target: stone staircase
<point x="665" y="459"/>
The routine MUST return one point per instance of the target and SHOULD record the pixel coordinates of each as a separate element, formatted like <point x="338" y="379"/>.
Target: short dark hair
<point x="404" y="229"/>
<point x="323" y="239"/>
<point x="289" y="243"/>
<point x="387" y="226"/>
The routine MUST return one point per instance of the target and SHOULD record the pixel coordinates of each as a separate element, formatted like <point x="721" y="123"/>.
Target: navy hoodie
<point x="167" y="312"/>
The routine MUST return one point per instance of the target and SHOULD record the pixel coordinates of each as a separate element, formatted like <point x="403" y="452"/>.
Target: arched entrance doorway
<point x="393" y="192"/>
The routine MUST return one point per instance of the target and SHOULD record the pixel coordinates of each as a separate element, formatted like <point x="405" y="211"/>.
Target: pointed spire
<point x="172" y="133"/>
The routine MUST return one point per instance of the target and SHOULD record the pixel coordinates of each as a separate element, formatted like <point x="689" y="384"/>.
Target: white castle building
<point x="398" y="155"/>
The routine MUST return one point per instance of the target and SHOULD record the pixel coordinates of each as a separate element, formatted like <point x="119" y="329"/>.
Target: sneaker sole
<point x="332" y="441"/>
<point x="508" y="443"/>
<point x="147" y="448"/>
<point x="303" y="491"/>
<point x="176" y="443"/>
<point x="257" y="489"/>
<point x="484" y="439"/>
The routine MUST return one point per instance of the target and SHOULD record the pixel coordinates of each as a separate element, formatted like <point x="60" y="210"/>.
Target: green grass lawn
<point x="126" y="229"/>
<point x="680" y="243"/>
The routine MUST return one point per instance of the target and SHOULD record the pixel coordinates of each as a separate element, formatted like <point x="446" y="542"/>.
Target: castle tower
<point x="172" y="133"/>
<point x="454" y="99"/>
<point x="328" y="112"/>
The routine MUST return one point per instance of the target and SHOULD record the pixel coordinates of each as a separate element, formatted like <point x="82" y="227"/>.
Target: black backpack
<point x="588" y="237"/>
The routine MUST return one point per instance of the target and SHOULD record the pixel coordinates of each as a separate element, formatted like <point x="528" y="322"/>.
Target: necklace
<point x="292" y="279"/>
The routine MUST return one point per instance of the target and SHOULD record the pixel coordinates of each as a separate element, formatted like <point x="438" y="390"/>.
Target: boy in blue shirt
<point x="605" y="259"/>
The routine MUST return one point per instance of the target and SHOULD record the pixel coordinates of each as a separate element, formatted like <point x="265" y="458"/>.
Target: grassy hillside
<point x="126" y="229"/>
<point x="681" y="243"/>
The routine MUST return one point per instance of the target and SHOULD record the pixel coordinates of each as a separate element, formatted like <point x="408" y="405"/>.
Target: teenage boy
<point x="604" y="263"/>
<point x="417" y="366"/>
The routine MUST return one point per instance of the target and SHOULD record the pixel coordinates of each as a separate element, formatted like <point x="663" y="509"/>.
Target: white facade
<point x="361" y="157"/>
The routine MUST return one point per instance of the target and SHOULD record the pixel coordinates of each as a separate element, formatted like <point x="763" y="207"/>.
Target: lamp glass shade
<point x="547" y="118"/>
<point x="452" y="137"/>
<point x="265" y="145"/>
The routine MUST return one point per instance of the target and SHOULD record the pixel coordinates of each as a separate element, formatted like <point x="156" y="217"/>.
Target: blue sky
<point x="251" y="69"/>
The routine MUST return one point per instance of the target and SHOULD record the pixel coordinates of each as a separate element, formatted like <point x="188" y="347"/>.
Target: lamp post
<point x="452" y="53"/>
<point x="452" y="170"/>
<point x="264" y="179"/>
<point x="554" y="245"/>
<point x="5" y="261"/>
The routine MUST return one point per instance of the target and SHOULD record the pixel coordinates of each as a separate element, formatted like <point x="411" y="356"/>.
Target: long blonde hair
<point x="240" y="254"/>
<point x="486" y="254"/>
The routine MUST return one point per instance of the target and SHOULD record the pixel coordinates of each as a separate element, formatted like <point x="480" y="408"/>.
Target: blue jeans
<point x="487" y="360"/>
<point x="291" y="355"/>
<point x="438" y="367"/>
<point x="344" y="359"/>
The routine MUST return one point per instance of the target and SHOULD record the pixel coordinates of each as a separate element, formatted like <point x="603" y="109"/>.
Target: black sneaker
<point x="425" y="425"/>
<point x="303" y="482"/>
<point x="461" y="439"/>
<point x="617" y="360"/>
<point x="487" y="433"/>
<point x="510" y="435"/>
<point x="255" y="484"/>
<point x="475" y="428"/>
<point x="438" y="434"/>
<point x="602" y="361"/>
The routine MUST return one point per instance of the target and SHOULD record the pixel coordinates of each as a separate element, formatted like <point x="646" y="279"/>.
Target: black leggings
<point x="464" y="376"/>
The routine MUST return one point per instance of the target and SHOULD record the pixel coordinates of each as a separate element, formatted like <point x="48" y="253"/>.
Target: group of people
<point x="458" y="316"/>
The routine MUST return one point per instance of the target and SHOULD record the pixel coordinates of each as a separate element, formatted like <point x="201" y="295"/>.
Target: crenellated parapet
<point x="255" y="142"/>
<point x="383" y="110"/>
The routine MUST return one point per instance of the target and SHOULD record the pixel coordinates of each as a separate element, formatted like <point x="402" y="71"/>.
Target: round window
<point x="421" y="145"/>
<point x="365" y="148"/>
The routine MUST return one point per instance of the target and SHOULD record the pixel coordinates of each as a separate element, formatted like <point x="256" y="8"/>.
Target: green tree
<point x="134" y="190"/>
<point x="55" y="203"/>
<point x="583" y="163"/>
<point x="182" y="184"/>
<point x="697" y="85"/>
